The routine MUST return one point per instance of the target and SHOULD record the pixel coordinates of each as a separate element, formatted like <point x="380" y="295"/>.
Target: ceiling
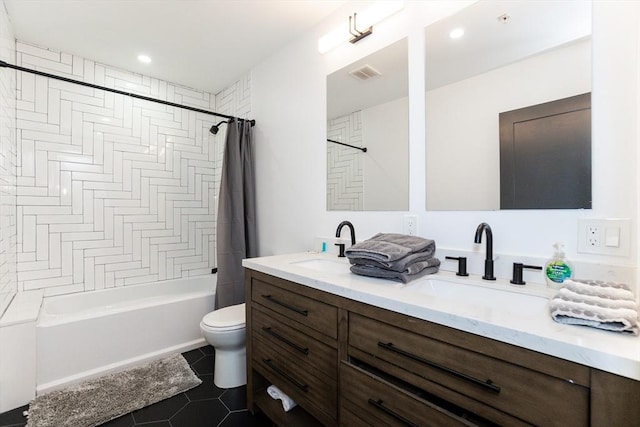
<point x="203" y="44"/>
<point x="490" y="42"/>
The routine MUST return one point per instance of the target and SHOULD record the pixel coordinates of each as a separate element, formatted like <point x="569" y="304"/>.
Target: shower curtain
<point x="236" y="223"/>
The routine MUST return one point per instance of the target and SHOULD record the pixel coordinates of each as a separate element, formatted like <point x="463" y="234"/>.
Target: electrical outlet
<point x="593" y="236"/>
<point x="604" y="236"/>
<point x="410" y="225"/>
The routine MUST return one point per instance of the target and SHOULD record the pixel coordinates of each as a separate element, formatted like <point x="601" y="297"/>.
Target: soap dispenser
<point x="557" y="269"/>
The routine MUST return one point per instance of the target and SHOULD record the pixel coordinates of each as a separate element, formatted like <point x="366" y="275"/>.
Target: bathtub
<point x="84" y="335"/>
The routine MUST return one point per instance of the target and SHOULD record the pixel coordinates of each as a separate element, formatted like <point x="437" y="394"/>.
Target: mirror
<point x="368" y="133"/>
<point x="512" y="55"/>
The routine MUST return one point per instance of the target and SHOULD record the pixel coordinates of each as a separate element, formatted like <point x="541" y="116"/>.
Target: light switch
<point x="604" y="236"/>
<point x="612" y="237"/>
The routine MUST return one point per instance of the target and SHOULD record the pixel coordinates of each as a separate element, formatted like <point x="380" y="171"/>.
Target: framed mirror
<point x="507" y="56"/>
<point x="367" y="133"/>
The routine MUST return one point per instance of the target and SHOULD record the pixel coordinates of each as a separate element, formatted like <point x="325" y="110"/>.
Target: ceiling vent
<point x="365" y="72"/>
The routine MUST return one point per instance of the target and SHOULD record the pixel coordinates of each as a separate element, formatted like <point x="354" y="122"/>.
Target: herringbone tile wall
<point x="8" y="286"/>
<point x="113" y="191"/>
<point x="345" y="185"/>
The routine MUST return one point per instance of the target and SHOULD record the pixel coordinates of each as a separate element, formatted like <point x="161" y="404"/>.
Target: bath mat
<point x="96" y="401"/>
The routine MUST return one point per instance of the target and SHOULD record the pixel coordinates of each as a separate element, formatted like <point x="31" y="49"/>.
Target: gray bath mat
<point x="99" y="400"/>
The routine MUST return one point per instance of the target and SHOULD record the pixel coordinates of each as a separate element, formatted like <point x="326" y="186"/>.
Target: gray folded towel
<point x="413" y="271"/>
<point x="387" y="247"/>
<point x="397" y="265"/>
<point x="605" y="305"/>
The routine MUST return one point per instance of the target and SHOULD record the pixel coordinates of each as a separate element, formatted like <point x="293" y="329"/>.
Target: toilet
<point x="225" y="329"/>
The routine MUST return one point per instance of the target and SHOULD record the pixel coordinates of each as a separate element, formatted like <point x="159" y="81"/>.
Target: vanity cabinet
<point x="352" y="364"/>
<point x="292" y="342"/>
<point x="487" y="380"/>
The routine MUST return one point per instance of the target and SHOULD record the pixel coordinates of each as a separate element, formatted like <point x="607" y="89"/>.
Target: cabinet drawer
<point x="320" y="359"/>
<point x="311" y="313"/>
<point x="381" y="403"/>
<point x="524" y="393"/>
<point x="310" y="391"/>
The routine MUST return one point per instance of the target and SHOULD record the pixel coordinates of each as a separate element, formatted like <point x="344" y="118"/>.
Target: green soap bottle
<point x="558" y="269"/>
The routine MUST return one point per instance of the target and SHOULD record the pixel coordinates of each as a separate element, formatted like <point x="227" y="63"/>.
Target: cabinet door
<point x="315" y="394"/>
<point x="306" y="311"/>
<point x="523" y="393"/>
<point x="381" y="403"/>
<point x="317" y="358"/>
<point x="615" y="400"/>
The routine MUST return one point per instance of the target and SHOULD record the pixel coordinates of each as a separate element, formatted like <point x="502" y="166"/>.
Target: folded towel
<point x="414" y="271"/>
<point x="287" y="402"/>
<point x="605" y="305"/>
<point x="387" y="247"/>
<point x="399" y="265"/>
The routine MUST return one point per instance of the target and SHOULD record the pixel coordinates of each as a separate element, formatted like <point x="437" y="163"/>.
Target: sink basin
<point x="325" y="265"/>
<point x="481" y="300"/>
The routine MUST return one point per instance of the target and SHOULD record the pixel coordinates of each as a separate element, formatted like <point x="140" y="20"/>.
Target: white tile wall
<point x="345" y="185"/>
<point x="8" y="286"/>
<point x="113" y="190"/>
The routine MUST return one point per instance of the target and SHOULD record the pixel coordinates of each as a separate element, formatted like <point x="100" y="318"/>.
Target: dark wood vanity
<point x="352" y="364"/>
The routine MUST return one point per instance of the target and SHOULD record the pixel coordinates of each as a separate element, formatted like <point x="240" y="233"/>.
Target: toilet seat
<point x="227" y="318"/>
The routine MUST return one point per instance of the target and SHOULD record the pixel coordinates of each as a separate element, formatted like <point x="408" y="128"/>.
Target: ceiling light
<point x="456" y="33"/>
<point x="145" y="59"/>
<point x="369" y="17"/>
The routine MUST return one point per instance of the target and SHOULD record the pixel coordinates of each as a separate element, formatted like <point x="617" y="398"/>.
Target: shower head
<point x="214" y="129"/>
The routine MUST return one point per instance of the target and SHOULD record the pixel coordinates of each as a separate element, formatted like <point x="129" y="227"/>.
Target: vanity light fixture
<point x="357" y="34"/>
<point x="369" y="17"/>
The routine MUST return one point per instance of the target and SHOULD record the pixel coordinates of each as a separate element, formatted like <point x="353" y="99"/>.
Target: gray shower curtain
<point x="236" y="223"/>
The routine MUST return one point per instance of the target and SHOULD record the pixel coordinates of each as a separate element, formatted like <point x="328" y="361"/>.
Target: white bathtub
<point x="89" y="334"/>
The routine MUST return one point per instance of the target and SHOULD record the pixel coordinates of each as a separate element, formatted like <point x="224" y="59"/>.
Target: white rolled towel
<point x="287" y="402"/>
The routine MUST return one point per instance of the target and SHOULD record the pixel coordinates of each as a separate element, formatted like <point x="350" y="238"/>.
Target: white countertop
<point x="523" y="318"/>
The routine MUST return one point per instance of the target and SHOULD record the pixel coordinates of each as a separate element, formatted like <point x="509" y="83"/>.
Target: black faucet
<point x="488" y="262"/>
<point x="353" y="236"/>
<point x="353" y="231"/>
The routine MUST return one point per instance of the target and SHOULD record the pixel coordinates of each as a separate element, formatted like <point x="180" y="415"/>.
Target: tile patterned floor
<point x="203" y="406"/>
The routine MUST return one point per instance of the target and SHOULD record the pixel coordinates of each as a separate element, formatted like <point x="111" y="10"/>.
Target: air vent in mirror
<point x="365" y="72"/>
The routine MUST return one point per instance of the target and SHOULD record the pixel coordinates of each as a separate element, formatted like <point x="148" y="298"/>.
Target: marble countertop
<point x="508" y="313"/>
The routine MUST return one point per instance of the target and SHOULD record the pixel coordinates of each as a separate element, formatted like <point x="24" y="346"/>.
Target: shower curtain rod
<point x="363" y="149"/>
<point x="4" y="64"/>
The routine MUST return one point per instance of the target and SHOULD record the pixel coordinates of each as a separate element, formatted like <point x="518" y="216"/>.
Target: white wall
<point x="112" y="190"/>
<point x="288" y="102"/>
<point x="385" y="129"/>
<point x="8" y="285"/>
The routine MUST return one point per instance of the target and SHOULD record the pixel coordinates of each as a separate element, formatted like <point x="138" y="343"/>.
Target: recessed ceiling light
<point x="456" y="33"/>
<point x="145" y="59"/>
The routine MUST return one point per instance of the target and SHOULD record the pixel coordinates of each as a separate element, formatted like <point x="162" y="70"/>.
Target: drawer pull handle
<point x="488" y="384"/>
<point x="301" y="386"/>
<point x="285" y="305"/>
<point x="380" y="405"/>
<point x="276" y="335"/>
